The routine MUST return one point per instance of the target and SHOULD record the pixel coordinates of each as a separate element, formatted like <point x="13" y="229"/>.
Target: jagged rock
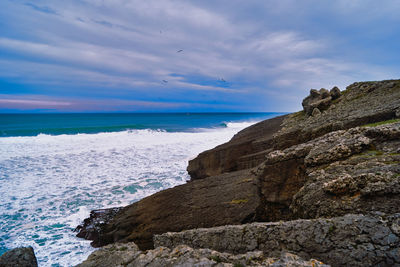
<point x="320" y="100"/>
<point x="351" y="240"/>
<point x="315" y="112"/>
<point x="21" y="257"/>
<point x="358" y="173"/>
<point x="91" y="227"/>
<point x="335" y="93"/>
<point x="121" y="255"/>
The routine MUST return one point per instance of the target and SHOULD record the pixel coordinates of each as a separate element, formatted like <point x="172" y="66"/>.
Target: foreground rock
<point x="21" y="257"/>
<point x="200" y="204"/>
<point x="351" y="240"/>
<point x="289" y="167"/>
<point x="129" y="255"/>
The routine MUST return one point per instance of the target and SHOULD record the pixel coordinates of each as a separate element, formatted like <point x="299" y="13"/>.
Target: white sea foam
<point x="49" y="184"/>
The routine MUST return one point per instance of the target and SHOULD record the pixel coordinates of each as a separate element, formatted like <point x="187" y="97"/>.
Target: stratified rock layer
<point x="359" y="104"/>
<point x="21" y="257"/>
<point x="128" y="255"/>
<point x="285" y="168"/>
<point x="351" y="240"/>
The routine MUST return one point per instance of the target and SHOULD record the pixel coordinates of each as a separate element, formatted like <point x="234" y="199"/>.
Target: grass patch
<point x="372" y="153"/>
<point x="396" y="176"/>
<point x="297" y="114"/>
<point x="381" y="123"/>
<point x="216" y="258"/>
<point x="331" y="228"/>
<point x="123" y="248"/>
<point x="239" y="201"/>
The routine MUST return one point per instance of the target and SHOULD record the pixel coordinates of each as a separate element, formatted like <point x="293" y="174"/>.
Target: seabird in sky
<point x="180" y="50"/>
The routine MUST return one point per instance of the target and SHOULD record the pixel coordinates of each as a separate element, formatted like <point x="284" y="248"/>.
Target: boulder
<point x="21" y="257"/>
<point x="335" y="93"/>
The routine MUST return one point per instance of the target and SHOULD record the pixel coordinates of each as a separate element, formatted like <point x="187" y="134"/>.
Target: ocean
<point x="56" y="168"/>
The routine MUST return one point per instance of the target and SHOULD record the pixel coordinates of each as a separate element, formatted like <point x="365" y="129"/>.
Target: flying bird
<point x="222" y="80"/>
<point x="180" y="50"/>
<point x="165" y="81"/>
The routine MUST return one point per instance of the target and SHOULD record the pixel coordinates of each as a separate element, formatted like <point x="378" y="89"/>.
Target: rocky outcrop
<point x="192" y="205"/>
<point x="21" y="257"/>
<point x="129" y="255"/>
<point x="351" y="240"/>
<point x="290" y="167"/>
<point x="361" y="103"/>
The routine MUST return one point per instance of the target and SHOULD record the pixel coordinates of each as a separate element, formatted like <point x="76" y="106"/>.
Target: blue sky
<point x="122" y="55"/>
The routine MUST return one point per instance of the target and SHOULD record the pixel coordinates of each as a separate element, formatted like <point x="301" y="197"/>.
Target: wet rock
<point x="21" y="257"/>
<point x="91" y="227"/>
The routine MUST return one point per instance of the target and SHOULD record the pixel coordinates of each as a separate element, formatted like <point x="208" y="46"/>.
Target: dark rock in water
<point x="19" y="257"/>
<point x="92" y="226"/>
<point x="351" y="240"/>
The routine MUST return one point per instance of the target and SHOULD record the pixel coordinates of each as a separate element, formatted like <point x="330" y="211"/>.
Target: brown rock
<point x="226" y="199"/>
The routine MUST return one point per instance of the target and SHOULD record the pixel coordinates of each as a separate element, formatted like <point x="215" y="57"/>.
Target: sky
<point x="189" y="56"/>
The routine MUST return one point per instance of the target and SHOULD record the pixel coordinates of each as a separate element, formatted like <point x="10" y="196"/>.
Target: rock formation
<point x="21" y="257"/>
<point x="129" y="255"/>
<point x="351" y="240"/>
<point x="343" y="160"/>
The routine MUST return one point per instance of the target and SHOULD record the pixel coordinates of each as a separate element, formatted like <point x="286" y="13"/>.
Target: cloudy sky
<point x="205" y="56"/>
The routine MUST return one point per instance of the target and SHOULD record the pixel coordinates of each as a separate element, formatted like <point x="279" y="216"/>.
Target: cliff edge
<point x="339" y="156"/>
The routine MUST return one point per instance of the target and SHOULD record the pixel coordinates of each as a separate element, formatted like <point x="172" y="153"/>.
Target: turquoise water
<point x="55" y="168"/>
<point x="55" y="124"/>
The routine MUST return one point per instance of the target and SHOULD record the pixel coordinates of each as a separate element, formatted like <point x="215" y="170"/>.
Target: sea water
<point x="55" y="168"/>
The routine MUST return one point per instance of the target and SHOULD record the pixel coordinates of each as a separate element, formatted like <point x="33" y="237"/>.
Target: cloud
<point x="127" y="48"/>
<point x="44" y="9"/>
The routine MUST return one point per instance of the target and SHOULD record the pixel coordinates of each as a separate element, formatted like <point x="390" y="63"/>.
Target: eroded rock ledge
<point x="295" y="166"/>
<point x="351" y="240"/>
<point x="129" y="255"/>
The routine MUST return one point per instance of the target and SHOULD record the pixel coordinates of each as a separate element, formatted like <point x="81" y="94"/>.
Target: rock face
<point x="290" y="167"/>
<point x="361" y="103"/>
<point x="319" y="100"/>
<point x="200" y="204"/>
<point x="351" y="240"/>
<point x="128" y="255"/>
<point x="21" y="257"/>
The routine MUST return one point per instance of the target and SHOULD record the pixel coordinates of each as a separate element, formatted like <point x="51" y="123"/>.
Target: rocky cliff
<point x="338" y="156"/>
